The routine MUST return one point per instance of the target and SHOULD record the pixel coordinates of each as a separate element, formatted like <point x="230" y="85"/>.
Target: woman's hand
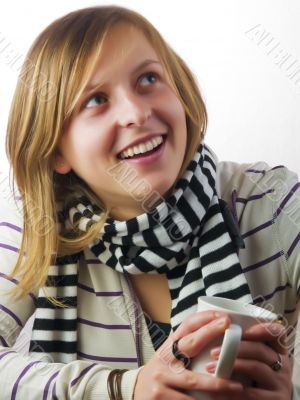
<point x="164" y="377"/>
<point x="259" y="350"/>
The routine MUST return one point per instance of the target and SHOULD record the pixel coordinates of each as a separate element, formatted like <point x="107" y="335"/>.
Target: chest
<point x="154" y="295"/>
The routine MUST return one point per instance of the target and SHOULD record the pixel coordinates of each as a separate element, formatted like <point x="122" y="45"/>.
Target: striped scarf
<point x="190" y="237"/>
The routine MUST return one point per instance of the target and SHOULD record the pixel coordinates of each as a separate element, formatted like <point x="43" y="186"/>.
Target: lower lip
<point x="143" y="160"/>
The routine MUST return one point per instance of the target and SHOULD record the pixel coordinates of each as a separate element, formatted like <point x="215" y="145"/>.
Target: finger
<point x="254" y="370"/>
<point x="196" y="321"/>
<point x="231" y="396"/>
<point x="190" y="380"/>
<point x="259" y="372"/>
<point x="252" y="350"/>
<point x="272" y="333"/>
<point x="263" y="394"/>
<point x="194" y="342"/>
<point x="169" y="394"/>
<point x="261" y="352"/>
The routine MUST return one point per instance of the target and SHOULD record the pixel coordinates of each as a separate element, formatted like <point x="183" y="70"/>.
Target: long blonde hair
<point x="56" y="70"/>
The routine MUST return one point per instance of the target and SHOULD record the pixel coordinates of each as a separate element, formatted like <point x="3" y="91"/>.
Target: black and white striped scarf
<point x="190" y="237"/>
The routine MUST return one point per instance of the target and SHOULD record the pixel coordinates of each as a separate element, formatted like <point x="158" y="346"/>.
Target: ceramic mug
<point x="243" y="316"/>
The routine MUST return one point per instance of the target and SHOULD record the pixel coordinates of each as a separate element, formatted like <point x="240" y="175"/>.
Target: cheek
<point x="175" y="109"/>
<point x="82" y="140"/>
<point x="96" y="135"/>
<point x="179" y="110"/>
<point x="177" y="113"/>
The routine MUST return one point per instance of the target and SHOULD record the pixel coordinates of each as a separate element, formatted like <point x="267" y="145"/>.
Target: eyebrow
<point x="91" y="87"/>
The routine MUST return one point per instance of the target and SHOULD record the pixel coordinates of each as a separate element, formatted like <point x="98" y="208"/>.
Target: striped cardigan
<point x="266" y="204"/>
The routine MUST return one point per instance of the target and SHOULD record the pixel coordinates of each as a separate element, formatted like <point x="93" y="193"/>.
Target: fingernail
<point x="215" y="352"/>
<point x="217" y="314"/>
<point x="211" y="366"/>
<point x="221" y="322"/>
<point x="275" y="328"/>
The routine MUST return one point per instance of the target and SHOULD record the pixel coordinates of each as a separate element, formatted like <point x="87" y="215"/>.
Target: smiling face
<point x="131" y="99"/>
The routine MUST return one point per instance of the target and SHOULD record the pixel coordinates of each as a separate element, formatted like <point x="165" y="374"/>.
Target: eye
<point x="151" y="75"/>
<point x="98" y="99"/>
<point x="95" y="100"/>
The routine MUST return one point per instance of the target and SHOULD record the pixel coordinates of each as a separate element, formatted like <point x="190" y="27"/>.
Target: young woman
<point x="126" y="223"/>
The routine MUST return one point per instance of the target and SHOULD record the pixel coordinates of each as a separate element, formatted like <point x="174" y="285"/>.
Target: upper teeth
<point x="142" y="148"/>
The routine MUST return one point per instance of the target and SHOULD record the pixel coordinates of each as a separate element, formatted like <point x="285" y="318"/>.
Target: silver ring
<point x="277" y="365"/>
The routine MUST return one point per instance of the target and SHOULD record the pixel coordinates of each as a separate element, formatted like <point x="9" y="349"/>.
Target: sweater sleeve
<point x="24" y="376"/>
<point x="287" y="222"/>
<point x="286" y="210"/>
<point x="284" y="206"/>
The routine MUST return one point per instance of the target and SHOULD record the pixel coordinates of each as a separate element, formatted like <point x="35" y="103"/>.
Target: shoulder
<point x="258" y="192"/>
<point x="11" y="222"/>
<point x="265" y="201"/>
<point x="255" y="178"/>
<point x="10" y="198"/>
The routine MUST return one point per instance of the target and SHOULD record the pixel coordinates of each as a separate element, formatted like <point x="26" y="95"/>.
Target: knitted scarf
<point x="190" y="236"/>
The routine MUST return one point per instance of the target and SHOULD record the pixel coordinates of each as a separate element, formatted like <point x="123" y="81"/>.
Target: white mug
<point x="243" y="316"/>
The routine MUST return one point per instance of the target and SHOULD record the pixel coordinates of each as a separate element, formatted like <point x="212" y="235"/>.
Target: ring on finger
<point x="178" y="355"/>
<point x="277" y="365"/>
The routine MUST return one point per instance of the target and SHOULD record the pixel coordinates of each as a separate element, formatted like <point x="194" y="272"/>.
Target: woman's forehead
<point x="123" y="40"/>
<point x="119" y="51"/>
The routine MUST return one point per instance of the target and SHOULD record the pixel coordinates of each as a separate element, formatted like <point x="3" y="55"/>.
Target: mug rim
<point x="265" y="314"/>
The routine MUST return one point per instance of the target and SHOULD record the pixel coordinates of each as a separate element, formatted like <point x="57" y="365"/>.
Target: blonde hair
<point x="57" y="69"/>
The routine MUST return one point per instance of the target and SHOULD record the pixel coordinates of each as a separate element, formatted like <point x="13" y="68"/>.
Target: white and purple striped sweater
<point x="266" y="204"/>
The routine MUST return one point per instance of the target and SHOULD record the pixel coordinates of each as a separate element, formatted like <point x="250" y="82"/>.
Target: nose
<point x="133" y="109"/>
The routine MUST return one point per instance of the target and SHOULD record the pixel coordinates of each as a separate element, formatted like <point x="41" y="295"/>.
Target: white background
<point x="253" y="106"/>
